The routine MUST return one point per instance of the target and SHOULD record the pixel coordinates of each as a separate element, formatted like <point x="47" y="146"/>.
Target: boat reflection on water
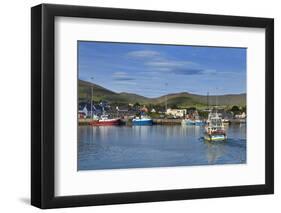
<point x="214" y="151"/>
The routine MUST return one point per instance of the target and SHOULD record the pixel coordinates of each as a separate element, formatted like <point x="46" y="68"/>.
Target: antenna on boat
<point x="92" y="97"/>
<point x="208" y="100"/>
<point x="166" y="84"/>
<point x="216" y="100"/>
<point x="216" y="105"/>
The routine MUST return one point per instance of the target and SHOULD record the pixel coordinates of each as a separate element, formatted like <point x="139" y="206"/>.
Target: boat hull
<point x="193" y="123"/>
<point x="147" y="122"/>
<point x="215" y="137"/>
<point x="111" y="122"/>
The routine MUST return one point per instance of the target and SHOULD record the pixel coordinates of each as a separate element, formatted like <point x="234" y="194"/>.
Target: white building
<point x="176" y="112"/>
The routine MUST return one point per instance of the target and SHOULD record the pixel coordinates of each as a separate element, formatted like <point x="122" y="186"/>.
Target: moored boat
<point x="191" y="122"/>
<point x="193" y="119"/>
<point x="214" y="130"/>
<point x="104" y="120"/>
<point x="142" y="121"/>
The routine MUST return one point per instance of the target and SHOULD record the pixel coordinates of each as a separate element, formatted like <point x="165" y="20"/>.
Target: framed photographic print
<point x="139" y="106"/>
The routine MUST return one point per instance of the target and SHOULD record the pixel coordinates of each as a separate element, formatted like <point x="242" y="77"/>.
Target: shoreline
<point x="157" y="121"/>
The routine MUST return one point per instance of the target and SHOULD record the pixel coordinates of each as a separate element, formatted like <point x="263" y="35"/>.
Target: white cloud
<point x="170" y="63"/>
<point x="210" y="72"/>
<point x="126" y="83"/>
<point x="157" y="62"/>
<point x="122" y="76"/>
<point x="162" y="69"/>
<point x="119" y="73"/>
<point x="143" y="54"/>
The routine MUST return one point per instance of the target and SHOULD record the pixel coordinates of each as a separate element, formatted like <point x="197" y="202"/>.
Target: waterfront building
<point x="179" y="113"/>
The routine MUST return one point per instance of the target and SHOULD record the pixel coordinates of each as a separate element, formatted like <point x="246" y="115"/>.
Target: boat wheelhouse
<point x="214" y="130"/>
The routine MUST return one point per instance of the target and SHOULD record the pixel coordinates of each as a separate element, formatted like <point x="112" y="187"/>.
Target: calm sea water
<point x="116" y="147"/>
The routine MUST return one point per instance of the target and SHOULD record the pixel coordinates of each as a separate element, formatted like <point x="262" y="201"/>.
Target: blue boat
<point x="142" y="121"/>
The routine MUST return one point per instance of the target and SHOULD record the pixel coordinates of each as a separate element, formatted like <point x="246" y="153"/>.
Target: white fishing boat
<point x="214" y="130"/>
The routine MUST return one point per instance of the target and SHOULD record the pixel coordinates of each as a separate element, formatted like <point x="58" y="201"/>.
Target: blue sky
<point x="154" y="70"/>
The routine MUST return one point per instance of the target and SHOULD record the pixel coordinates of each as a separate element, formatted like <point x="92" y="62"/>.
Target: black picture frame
<point x="43" y="101"/>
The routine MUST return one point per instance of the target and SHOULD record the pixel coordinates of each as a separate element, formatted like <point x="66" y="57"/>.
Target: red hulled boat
<point x="105" y="121"/>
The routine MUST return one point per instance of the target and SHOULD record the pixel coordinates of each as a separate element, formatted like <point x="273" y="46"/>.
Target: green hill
<point x="183" y="99"/>
<point x="101" y="93"/>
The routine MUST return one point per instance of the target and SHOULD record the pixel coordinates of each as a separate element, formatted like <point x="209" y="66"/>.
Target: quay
<point x="161" y="121"/>
<point x="128" y="122"/>
<point x="156" y="121"/>
<point x="84" y="121"/>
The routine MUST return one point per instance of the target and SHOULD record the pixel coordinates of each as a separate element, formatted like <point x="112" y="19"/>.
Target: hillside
<point x="180" y="99"/>
<point x="101" y="93"/>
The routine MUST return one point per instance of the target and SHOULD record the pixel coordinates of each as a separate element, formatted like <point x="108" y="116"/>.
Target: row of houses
<point x="193" y="113"/>
<point x="85" y="110"/>
<point x="120" y="111"/>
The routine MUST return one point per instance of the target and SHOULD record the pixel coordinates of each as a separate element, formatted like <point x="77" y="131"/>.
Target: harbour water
<point x="122" y="147"/>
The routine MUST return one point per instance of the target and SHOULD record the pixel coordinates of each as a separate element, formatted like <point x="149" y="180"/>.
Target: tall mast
<point x="166" y="84"/>
<point x="217" y="106"/>
<point x="92" y="98"/>
<point x="208" y="100"/>
<point x="216" y="100"/>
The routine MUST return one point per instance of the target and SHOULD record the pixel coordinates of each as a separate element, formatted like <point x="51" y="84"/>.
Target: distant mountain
<point x="231" y="99"/>
<point x="101" y="93"/>
<point x="183" y="99"/>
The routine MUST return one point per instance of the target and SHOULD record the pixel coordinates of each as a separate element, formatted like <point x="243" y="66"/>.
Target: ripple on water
<point x="156" y="146"/>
